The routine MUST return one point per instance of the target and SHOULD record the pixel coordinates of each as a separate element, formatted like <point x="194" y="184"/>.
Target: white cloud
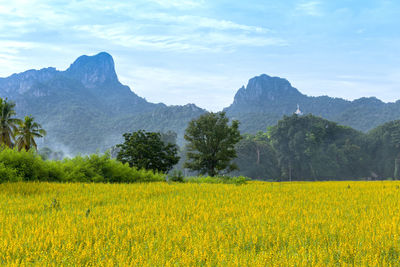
<point x="185" y="41"/>
<point x="124" y="25"/>
<point x="311" y="8"/>
<point x="196" y="22"/>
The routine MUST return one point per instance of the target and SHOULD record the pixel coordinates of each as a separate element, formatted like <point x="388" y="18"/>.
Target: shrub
<point x="29" y="166"/>
<point x="8" y="174"/>
<point x="101" y="168"/>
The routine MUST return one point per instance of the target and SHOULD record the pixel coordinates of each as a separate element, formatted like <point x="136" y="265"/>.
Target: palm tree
<point x="8" y="124"/>
<point x="27" y="131"/>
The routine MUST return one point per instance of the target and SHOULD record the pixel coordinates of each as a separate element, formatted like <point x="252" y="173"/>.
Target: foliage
<point x="312" y="148"/>
<point x="13" y="129"/>
<point x="29" y="166"/>
<point x="74" y="113"/>
<point x="101" y="168"/>
<point x="26" y="133"/>
<point x="146" y="150"/>
<point x="211" y="143"/>
<point x="8" y="123"/>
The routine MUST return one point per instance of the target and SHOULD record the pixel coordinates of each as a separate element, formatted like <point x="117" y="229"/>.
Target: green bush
<point x="29" y="166"/>
<point x="101" y="168"/>
<point x="8" y="174"/>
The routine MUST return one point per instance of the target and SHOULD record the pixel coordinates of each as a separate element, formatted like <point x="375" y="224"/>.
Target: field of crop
<point x="256" y="224"/>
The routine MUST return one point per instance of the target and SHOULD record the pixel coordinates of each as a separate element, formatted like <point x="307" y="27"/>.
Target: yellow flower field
<point x="160" y="224"/>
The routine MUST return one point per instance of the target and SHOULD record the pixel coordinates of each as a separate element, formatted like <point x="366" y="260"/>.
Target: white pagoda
<point x="298" y="111"/>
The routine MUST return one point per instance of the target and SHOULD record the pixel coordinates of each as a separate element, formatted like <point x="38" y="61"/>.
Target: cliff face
<point x="85" y="107"/>
<point x="266" y="99"/>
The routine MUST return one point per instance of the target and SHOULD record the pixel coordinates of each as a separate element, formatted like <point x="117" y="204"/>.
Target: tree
<point x="26" y="133"/>
<point x="211" y="144"/>
<point x="8" y="124"/>
<point x="146" y="150"/>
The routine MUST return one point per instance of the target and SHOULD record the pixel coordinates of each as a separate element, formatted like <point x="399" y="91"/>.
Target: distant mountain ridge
<point x="85" y="108"/>
<point x="269" y="98"/>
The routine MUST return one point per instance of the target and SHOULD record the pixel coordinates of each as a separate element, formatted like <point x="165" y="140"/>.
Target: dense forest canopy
<point x="311" y="148"/>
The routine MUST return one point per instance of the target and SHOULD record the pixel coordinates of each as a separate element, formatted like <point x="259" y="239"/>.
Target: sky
<point x="202" y="52"/>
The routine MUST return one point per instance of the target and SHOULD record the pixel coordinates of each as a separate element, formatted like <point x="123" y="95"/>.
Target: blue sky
<point x="186" y="51"/>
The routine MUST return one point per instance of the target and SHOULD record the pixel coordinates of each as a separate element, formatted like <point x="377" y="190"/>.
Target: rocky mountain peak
<point x="94" y="70"/>
<point x="23" y="82"/>
<point x="265" y="88"/>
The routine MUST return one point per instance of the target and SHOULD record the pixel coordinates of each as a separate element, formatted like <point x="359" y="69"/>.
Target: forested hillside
<point x="85" y="108"/>
<point x="266" y="99"/>
<point x="312" y="148"/>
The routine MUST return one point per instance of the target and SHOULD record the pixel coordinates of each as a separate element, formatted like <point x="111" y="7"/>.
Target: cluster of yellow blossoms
<point x="160" y="224"/>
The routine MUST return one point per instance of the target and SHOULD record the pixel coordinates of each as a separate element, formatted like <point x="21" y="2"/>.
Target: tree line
<point x="296" y="148"/>
<point x="312" y="148"/>
<point x="209" y="151"/>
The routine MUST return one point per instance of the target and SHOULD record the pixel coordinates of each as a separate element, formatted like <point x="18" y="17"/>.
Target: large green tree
<point x="26" y="133"/>
<point x="211" y="144"/>
<point x="146" y="150"/>
<point x="8" y="123"/>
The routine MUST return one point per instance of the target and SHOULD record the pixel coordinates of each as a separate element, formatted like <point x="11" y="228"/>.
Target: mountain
<point x="85" y="108"/>
<point x="266" y="99"/>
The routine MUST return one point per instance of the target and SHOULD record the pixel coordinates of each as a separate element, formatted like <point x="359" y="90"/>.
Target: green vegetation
<point x="211" y="144"/>
<point x="146" y="150"/>
<point x="26" y="133"/>
<point x="15" y="132"/>
<point x="8" y="123"/>
<point x="311" y="148"/>
<point x="297" y="148"/>
<point x="29" y="166"/>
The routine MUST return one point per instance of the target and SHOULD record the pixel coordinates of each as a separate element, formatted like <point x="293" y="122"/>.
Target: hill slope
<point x="86" y="108"/>
<point x="266" y="99"/>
